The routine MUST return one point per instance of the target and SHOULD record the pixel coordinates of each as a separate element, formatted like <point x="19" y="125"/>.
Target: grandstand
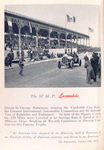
<point x="25" y="33"/>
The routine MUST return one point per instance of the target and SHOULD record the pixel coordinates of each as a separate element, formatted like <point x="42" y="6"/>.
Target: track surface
<point x="47" y="74"/>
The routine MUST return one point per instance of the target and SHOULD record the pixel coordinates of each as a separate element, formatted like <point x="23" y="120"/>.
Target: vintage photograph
<point x="52" y="45"/>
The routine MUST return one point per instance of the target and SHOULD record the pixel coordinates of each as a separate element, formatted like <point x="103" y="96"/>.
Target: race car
<point x="69" y="60"/>
<point x="76" y="59"/>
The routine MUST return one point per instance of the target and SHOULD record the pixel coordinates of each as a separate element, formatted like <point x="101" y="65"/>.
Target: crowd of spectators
<point x="83" y="48"/>
<point x="28" y="42"/>
<point x="93" y="67"/>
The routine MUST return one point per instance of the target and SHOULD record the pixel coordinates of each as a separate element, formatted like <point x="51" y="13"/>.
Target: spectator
<point x="22" y="55"/>
<point x="12" y="54"/>
<point x="18" y="54"/>
<point x="28" y="53"/>
<point x="31" y="54"/>
<point x="99" y="66"/>
<point x="9" y="59"/>
<point x="90" y="72"/>
<point x="94" y="63"/>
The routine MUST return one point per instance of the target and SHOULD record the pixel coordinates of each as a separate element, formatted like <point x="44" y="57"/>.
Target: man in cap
<point x="94" y="63"/>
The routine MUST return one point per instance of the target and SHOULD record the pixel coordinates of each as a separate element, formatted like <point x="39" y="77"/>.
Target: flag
<point x="74" y="19"/>
<point x="10" y="29"/>
<point x="68" y="18"/>
<point x="30" y="27"/>
<point x="71" y="19"/>
<point x="90" y="29"/>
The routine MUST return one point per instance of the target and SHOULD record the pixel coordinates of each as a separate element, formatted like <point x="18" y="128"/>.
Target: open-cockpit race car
<point x="69" y="60"/>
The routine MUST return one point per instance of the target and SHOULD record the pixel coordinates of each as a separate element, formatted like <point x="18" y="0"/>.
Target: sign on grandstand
<point x="10" y="26"/>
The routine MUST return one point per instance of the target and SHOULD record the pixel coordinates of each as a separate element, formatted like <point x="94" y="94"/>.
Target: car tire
<point x="80" y="63"/>
<point x="72" y="65"/>
<point x="59" y="65"/>
<point x="69" y="65"/>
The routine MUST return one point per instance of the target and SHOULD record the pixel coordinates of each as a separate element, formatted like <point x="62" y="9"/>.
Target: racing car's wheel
<point x="80" y="63"/>
<point x="69" y="65"/>
<point x="59" y="64"/>
<point x="72" y="65"/>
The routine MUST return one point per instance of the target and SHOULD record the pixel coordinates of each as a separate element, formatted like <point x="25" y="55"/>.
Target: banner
<point x="30" y="27"/>
<point x="10" y="26"/>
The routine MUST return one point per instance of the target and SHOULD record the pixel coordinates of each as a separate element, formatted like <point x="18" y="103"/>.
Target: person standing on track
<point x="94" y="63"/>
<point x="99" y="66"/>
<point x="90" y="72"/>
<point x="21" y="67"/>
<point x="9" y="59"/>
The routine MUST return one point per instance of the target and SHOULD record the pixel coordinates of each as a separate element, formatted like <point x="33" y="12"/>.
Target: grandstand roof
<point x="20" y="16"/>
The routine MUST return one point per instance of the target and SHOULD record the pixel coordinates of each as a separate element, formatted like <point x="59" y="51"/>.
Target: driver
<point x="75" y="56"/>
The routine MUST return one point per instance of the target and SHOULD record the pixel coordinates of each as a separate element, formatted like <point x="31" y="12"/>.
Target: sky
<point x="86" y="16"/>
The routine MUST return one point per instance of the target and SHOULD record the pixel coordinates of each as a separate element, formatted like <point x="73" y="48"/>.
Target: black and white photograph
<point x="52" y="45"/>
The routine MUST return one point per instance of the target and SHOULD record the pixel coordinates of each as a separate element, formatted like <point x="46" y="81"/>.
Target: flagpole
<point x="65" y="35"/>
<point x="88" y="31"/>
<point x="65" y="20"/>
<point x="89" y="36"/>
